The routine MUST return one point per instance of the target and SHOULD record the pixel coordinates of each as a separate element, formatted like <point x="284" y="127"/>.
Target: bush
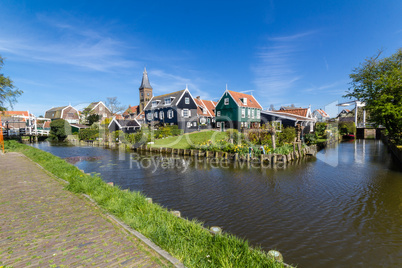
<point x="309" y="138"/>
<point x="287" y="135"/>
<point x="347" y="128"/>
<point x="88" y="134"/>
<point x="235" y="136"/>
<point x="59" y="130"/>
<point x="320" y="128"/>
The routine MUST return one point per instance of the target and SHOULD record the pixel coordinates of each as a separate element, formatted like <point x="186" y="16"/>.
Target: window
<point x="226" y="101"/>
<point x="170" y="114"/>
<point x="101" y="108"/>
<point x="244" y="100"/>
<point x="195" y="124"/>
<point x="258" y="114"/>
<point x="156" y="114"/>
<point x="70" y="114"/>
<point x="252" y="113"/>
<point x="149" y="116"/>
<point x="243" y="113"/>
<point x="187" y="100"/>
<point x="203" y="120"/>
<point x="218" y="124"/>
<point x="148" y="94"/>
<point x="204" y="111"/>
<point x="161" y="114"/>
<point x="249" y="113"/>
<point x="188" y="124"/>
<point x="168" y="101"/>
<point x="218" y="113"/>
<point x="154" y="103"/>
<point x="186" y="113"/>
<point x="142" y="94"/>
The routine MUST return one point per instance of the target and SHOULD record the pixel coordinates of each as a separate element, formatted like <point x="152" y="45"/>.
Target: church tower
<point x="145" y="90"/>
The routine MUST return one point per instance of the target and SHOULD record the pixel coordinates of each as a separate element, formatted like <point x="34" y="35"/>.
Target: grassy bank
<point x="186" y="140"/>
<point x="186" y="240"/>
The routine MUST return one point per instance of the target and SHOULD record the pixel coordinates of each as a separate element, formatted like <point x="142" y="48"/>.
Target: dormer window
<point x="168" y="101"/>
<point x="204" y="111"/>
<point x="244" y="101"/>
<point x="155" y="103"/>
<point x="226" y="101"/>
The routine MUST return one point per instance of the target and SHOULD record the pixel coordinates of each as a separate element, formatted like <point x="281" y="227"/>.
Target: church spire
<point x="145" y="82"/>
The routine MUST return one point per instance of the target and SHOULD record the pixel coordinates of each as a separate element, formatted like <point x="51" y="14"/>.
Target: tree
<point x="93" y="118"/>
<point x="114" y="105"/>
<point x="59" y="129"/>
<point x="8" y="92"/>
<point x="378" y="83"/>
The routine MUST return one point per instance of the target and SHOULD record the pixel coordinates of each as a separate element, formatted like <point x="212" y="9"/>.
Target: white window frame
<point x="186" y="111"/>
<point x="249" y="113"/>
<point x="154" y="103"/>
<point x="156" y="115"/>
<point x="188" y="124"/>
<point x="252" y="113"/>
<point x="243" y="112"/>
<point x="258" y="114"/>
<point x="226" y="100"/>
<point x="187" y="100"/>
<point x="149" y="116"/>
<point x="218" y="124"/>
<point x="168" y="101"/>
<point x="195" y="124"/>
<point x="218" y="113"/>
<point x="204" y="111"/>
<point x="170" y="114"/>
<point x="161" y="115"/>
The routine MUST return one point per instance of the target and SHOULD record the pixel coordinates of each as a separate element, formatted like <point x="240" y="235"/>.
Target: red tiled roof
<point x="251" y="101"/>
<point x="297" y="111"/>
<point x="46" y="124"/>
<point x="323" y="113"/>
<point x="14" y="113"/>
<point x="205" y="104"/>
<point x="141" y="115"/>
<point x="131" y="110"/>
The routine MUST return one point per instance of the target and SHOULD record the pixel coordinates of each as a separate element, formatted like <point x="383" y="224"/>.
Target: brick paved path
<point x="42" y="225"/>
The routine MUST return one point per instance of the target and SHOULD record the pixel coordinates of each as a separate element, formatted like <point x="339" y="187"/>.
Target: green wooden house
<point x="237" y="110"/>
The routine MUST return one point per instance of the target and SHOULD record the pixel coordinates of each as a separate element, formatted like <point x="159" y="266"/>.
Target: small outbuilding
<point x="125" y="125"/>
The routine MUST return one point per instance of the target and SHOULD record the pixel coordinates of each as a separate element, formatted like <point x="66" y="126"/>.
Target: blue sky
<point x="283" y="52"/>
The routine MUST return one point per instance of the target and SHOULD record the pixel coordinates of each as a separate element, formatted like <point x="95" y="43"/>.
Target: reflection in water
<point x="342" y="209"/>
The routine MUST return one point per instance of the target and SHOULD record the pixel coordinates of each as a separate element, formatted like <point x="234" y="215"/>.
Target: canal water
<point x="341" y="209"/>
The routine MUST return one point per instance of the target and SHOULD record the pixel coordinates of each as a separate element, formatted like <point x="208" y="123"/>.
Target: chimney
<point x="198" y="97"/>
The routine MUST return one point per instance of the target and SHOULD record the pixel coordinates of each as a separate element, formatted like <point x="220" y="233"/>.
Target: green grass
<point x="184" y="141"/>
<point x="186" y="240"/>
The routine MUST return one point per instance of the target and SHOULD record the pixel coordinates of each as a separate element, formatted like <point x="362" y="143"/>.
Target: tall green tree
<point x="8" y="92"/>
<point x="59" y="129"/>
<point x="378" y="83"/>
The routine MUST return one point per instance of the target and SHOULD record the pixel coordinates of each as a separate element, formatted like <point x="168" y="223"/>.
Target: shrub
<point x="309" y="138"/>
<point x="88" y="134"/>
<point x="59" y="129"/>
<point x="320" y="128"/>
<point x="347" y="128"/>
<point x="235" y="136"/>
<point x="287" y="135"/>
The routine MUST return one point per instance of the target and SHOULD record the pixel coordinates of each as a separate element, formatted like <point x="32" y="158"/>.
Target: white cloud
<point x="82" y="46"/>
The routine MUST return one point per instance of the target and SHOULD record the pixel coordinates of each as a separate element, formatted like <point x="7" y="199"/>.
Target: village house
<point x="303" y="115"/>
<point x="320" y="115"/>
<point x="98" y="108"/>
<point x="68" y="113"/>
<point x="205" y="112"/>
<point x="132" y="112"/>
<point x="237" y="110"/>
<point x="127" y="126"/>
<point x="176" y="108"/>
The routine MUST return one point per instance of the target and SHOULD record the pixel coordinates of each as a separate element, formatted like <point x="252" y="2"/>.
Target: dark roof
<point x="79" y="126"/>
<point x="127" y="123"/>
<point x="56" y="109"/>
<point x="175" y="96"/>
<point x="145" y="81"/>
